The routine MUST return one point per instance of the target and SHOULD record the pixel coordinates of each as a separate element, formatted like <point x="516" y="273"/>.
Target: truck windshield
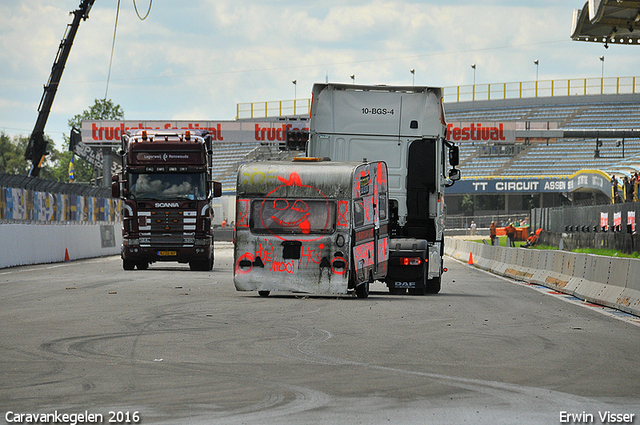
<point x="168" y="186"/>
<point x="293" y="216"/>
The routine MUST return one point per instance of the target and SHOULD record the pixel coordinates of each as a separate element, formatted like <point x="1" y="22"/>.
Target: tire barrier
<point x="609" y="281"/>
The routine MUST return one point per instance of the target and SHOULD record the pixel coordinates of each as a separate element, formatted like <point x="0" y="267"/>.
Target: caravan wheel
<point x="362" y="290"/>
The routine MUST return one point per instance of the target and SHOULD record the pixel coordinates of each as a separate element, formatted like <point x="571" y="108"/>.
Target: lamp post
<point x="413" y="75"/>
<point x="473" y="96"/>
<point x="537" y="64"/>
<point x="295" y="95"/>
<point x="602" y="75"/>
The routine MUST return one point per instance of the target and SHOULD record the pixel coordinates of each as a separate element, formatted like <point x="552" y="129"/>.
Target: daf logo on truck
<point x="167" y="205"/>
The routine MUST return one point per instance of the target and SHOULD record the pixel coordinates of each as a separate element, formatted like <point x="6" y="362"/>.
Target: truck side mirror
<point x="216" y="187"/>
<point x="454" y="174"/>
<point x="454" y="156"/>
<point x="115" y="186"/>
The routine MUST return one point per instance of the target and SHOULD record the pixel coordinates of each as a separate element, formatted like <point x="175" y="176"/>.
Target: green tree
<point x="12" y="155"/>
<point x="102" y="109"/>
<point x="466" y="204"/>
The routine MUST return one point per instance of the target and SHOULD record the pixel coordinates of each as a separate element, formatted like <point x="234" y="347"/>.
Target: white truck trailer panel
<point x="355" y="123"/>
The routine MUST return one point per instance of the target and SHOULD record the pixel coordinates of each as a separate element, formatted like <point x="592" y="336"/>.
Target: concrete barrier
<point x="608" y="281"/>
<point x="530" y="264"/>
<point x="629" y="300"/>
<point x="545" y="263"/>
<point x="582" y="270"/>
<point x="25" y="244"/>
<point x="562" y="265"/>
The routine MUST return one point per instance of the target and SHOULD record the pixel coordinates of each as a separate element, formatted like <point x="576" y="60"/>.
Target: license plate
<point x="167" y="253"/>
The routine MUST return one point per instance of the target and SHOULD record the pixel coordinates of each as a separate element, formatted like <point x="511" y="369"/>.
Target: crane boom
<point x="36" y="149"/>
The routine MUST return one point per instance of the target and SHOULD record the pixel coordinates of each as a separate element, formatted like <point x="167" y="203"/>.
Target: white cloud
<point x="204" y="56"/>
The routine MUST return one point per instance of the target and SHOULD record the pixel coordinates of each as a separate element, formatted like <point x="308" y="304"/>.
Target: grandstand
<point x="555" y="163"/>
<point x="556" y="156"/>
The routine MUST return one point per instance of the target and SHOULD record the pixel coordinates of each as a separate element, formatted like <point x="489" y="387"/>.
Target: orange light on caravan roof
<point x="187" y="135"/>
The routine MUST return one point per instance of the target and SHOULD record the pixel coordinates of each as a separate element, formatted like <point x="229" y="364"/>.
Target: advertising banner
<point x="582" y="180"/>
<point x="494" y="132"/>
<point x="604" y="221"/>
<point x="108" y="133"/>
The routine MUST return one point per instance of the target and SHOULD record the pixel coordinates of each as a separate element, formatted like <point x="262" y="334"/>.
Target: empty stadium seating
<point x="557" y="157"/>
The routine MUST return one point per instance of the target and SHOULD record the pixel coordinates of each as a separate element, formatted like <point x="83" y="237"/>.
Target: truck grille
<point x="167" y="228"/>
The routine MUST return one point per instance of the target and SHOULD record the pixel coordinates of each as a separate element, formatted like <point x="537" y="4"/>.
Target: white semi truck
<point x="405" y="127"/>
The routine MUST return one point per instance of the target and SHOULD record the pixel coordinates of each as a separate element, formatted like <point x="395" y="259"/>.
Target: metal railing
<point x="473" y="92"/>
<point x="542" y="88"/>
<point x="483" y="221"/>
<point x="274" y="108"/>
<point x="51" y="186"/>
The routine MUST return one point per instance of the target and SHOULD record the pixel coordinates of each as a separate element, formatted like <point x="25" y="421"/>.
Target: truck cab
<point x="166" y="190"/>
<point x="405" y="127"/>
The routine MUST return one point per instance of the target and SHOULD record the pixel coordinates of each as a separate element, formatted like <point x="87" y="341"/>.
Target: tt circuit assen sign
<point x="108" y="133"/>
<point x="584" y="180"/>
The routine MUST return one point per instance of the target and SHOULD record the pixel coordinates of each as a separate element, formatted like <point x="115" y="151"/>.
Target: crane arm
<point x="37" y="146"/>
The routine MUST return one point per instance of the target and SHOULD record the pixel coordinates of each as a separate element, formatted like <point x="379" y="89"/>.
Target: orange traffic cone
<point x="471" y="258"/>
<point x="66" y="255"/>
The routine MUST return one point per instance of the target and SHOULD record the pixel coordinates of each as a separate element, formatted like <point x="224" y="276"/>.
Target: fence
<point x="542" y="88"/>
<point x="275" y="108"/>
<point x="609" y="217"/>
<point x="473" y="92"/>
<point x="483" y="221"/>
<point x="31" y="199"/>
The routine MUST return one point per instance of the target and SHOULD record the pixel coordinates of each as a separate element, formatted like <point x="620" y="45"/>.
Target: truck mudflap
<point x="435" y="260"/>
<point x="414" y="266"/>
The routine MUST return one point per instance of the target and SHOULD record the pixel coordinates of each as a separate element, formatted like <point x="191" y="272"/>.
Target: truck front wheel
<point x="128" y="264"/>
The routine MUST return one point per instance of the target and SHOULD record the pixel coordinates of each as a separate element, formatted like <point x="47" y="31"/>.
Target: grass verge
<point x="502" y="241"/>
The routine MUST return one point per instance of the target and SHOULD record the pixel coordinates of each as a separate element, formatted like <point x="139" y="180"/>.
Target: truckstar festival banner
<point x="493" y="132"/>
<point x="482" y="132"/>
<point x="108" y="133"/>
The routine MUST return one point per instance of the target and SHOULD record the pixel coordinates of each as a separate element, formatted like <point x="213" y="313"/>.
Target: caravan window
<point x="293" y="216"/>
<point x="382" y="206"/>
